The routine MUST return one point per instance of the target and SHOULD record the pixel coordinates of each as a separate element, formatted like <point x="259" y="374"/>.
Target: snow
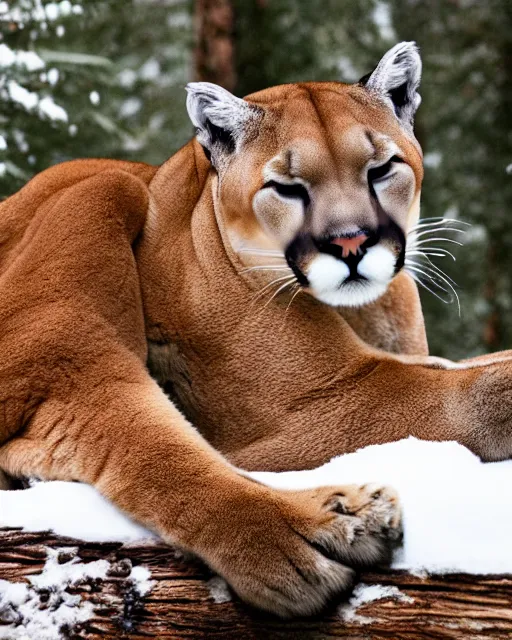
<point x="347" y="69"/>
<point x="27" y="59"/>
<point x="70" y="509"/>
<point x="46" y="617"/>
<point x="53" y="76"/>
<point x="130" y="107"/>
<point x="43" y="609"/>
<point x="94" y="97"/>
<point x="24" y="97"/>
<point x="150" y="70"/>
<point x="57" y="573"/>
<point x="20" y="140"/>
<point x="30" y="101"/>
<point x="48" y="108"/>
<point x="457" y="510"/>
<point x="52" y="11"/>
<point x="433" y="159"/>
<point x="382" y="20"/>
<point x="36" y="11"/>
<point x="363" y="594"/>
<point x="219" y="590"/>
<point x="140" y="576"/>
<point x="127" y="78"/>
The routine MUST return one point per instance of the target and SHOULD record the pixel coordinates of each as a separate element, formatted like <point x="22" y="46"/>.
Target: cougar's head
<point x="319" y="182"/>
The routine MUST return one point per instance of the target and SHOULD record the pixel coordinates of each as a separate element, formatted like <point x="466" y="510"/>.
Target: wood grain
<point x="180" y="604"/>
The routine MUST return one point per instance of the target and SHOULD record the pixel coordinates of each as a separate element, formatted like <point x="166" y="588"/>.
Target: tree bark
<point x="492" y="335"/>
<point x="214" y="52"/>
<point x="181" y="605"/>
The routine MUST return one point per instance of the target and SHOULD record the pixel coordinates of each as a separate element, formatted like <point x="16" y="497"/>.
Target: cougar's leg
<point x="85" y="408"/>
<point x="383" y="398"/>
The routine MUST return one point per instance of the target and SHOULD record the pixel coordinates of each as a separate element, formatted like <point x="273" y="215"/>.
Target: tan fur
<point x="99" y="259"/>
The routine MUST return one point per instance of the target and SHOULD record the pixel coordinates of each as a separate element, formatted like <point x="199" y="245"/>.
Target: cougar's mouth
<point x="348" y="269"/>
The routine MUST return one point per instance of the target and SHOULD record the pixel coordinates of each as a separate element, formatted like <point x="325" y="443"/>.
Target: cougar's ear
<point x="222" y="120"/>
<point x="396" y="78"/>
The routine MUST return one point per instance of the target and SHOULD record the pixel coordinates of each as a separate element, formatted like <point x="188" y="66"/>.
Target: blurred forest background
<point x="106" y="78"/>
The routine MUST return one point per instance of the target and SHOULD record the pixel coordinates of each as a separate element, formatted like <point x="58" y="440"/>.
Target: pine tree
<point x="84" y="79"/>
<point x="30" y="117"/>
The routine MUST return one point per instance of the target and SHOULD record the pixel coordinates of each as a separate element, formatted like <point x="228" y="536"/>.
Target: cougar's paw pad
<point x="364" y="526"/>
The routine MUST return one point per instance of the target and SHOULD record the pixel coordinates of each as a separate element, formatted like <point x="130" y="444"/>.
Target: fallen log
<point x="185" y="600"/>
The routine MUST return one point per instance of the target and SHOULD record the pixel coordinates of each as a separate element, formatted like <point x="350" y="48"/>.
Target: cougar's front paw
<point x="373" y="512"/>
<point x="291" y="552"/>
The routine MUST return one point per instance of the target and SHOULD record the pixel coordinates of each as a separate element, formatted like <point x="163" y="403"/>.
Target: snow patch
<point x="43" y="609"/>
<point x="27" y="11"/>
<point x="27" y="59"/>
<point x="348" y="71"/>
<point x="140" y="576"/>
<point x="433" y="159"/>
<point x="24" y="97"/>
<point x="365" y="593"/>
<point x="30" y="101"/>
<point x="69" y="509"/>
<point x="457" y="510"/>
<point x="48" y="108"/>
<point x="150" y="70"/>
<point x="130" y="107"/>
<point x="219" y="590"/>
<point x="382" y="20"/>
<point x="57" y="574"/>
<point x="53" y="76"/>
<point x="94" y="97"/>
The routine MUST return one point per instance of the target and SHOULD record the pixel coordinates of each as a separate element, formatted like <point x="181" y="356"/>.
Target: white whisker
<point x="438" y="270"/>
<point x="435" y="281"/>
<point x="298" y="289"/>
<point x="437" y="230"/>
<point x="434" y="276"/>
<point x="423" y="225"/>
<point x="422" y="242"/>
<point x="434" y="273"/>
<point x="273" y="253"/>
<point x="283" y="286"/>
<point x="439" y="252"/>
<point x="265" y="267"/>
<point x="418" y="279"/>
<point x="291" y="278"/>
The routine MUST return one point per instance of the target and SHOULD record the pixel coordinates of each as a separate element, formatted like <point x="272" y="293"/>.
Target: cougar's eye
<point x="377" y="173"/>
<point x="294" y="190"/>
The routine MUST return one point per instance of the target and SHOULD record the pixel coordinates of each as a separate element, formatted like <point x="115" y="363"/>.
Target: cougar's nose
<point x="350" y="243"/>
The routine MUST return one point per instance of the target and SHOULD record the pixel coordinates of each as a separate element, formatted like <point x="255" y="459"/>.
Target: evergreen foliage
<point x="83" y="79"/>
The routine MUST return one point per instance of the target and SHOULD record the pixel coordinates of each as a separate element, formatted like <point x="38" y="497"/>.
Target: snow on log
<point x="55" y="587"/>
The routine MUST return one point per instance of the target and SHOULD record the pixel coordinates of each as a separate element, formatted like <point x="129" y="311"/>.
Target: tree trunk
<point x="214" y="59"/>
<point x="492" y="330"/>
<point x="185" y="601"/>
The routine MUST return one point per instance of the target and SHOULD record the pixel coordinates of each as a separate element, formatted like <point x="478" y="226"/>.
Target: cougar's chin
<point x="332" y="280"/>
